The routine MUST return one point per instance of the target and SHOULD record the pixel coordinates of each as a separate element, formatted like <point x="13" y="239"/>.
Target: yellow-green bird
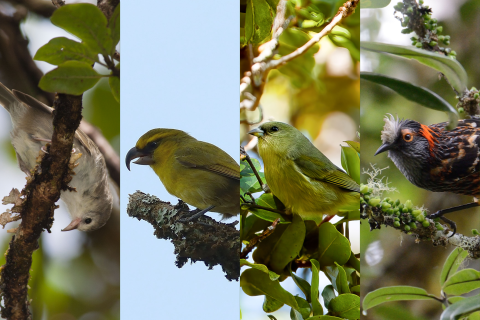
<point x="197" y="172"/>
<point x="300" y="175"/>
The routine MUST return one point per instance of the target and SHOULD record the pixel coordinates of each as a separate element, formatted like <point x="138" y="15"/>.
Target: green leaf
<point x="271" y="317"/>
<point x="115" y="86"/>
<point x="273" y="276"/>
<point x="341" y="281"/>
<point x="87" y="22"/>
<point x="420" y="95"/>
<point x="301" y="283"/>
<point x="255" y="283"/>
<point x="258" y="21"/>
<point x="355" y="289"/>
<point x="345" y="306"/>
<point x="304" y="306"/>
<point x="332" y="246"/>
<point x="271" y="304"/>
<point x="374" y="4"/>
<point x="267" y="200"/>
<point x="249" y="184"/>
<point x="452" y="69"/>
<point x="328" y="294"/>
<point x="59" y="50"/>
<point x="462" y="282"/>
<point x="246" y="170"/>
<point x="295" y="315"/>
<point x="354" y="262"/>
<point x="395" y="293"/>
<point x="71" y="77"/>
<point x="114" y="26"/>
<point x="316" y="306"/>
<point x="351" y="163"/>
<point x="461" y="308"/>
<point x="354" y="144"/>
<point x="282" y="246"/>
<point x="324" y="318"/>
<point x="452" y="263"/>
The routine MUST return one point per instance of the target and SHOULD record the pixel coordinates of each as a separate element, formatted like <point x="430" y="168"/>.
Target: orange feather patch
<point x="426" y="132"/>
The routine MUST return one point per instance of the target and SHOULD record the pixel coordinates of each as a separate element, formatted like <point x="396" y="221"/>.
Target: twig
<point x="246" y="157"/>
<point x="212" y="242"/>
<point x="254" y="241"/>
<point x="253" y="83"/>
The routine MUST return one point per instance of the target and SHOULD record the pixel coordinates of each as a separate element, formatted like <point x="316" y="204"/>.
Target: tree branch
<point x="41" y="193"/>
<point x="206" y="240"/>
<point x="377" y="217"/>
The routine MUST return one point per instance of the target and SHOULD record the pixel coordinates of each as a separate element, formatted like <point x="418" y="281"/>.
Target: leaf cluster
<point x="454" y="283"/>
<point x="75" y="73"/>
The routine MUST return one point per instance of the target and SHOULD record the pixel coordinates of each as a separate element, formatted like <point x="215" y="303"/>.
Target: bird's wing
<point x="40" y="106"/>
<point x="6" y="97"/>
<point x="315" y="169"/>
<point x="208" y="157"/>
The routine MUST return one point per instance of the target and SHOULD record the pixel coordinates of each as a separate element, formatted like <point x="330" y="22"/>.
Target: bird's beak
<point x="257" y="132"/>
<point x="384" y="147"/>
<point x="134" y="153"/>
<point x="73" y="225"/>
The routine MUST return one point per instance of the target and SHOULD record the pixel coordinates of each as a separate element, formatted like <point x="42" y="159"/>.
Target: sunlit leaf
<point x="59" y="50"/>
<point x="395" y="293"/>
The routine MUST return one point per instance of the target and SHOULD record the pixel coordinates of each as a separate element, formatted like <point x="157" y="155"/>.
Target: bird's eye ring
<point x="274" y="128"/>
<point x="88" y="221"/>
<point x="407" y="137"/>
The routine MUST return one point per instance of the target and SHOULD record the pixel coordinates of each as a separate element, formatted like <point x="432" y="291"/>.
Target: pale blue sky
<point x="179" y="70"/>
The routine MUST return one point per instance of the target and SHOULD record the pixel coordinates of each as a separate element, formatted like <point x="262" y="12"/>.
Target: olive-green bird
<point x="197" y="172"/>
<point x="300" y="175"/>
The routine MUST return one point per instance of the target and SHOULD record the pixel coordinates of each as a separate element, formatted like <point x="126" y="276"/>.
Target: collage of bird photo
<point x="153" y="198"/>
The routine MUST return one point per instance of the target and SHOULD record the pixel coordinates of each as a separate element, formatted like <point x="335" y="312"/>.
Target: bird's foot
<point x="452" y="224"/>
<point x="196" y="214"/>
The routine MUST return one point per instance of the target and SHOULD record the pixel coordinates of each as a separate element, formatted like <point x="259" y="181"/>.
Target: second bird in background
<point x="301" y="176"/>
<point x="197" y="172"/>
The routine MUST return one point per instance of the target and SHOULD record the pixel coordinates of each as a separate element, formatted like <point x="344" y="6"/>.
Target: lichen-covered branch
<point x="214" y="243"/>
<point x="41" y="193"/>
<point x="378" y="214"/>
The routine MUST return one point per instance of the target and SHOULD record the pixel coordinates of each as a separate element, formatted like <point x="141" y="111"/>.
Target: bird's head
<point x="406" y="141"/>
<point x="91" y="209"/>
<point x="276" y="136"/>
<point x="155" y="140"/>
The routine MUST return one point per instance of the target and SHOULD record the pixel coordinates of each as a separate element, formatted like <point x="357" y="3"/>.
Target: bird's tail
<point x="7" y="99"/>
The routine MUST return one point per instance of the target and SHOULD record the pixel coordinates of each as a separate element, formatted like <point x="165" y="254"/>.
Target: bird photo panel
<point x="59" y="133"/>
<point x="300" y="160"/>
<point x="421" y="162"/>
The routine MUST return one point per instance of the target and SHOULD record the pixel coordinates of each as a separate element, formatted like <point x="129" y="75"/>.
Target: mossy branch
<point x="214" y="243"/>
<point x="406" y="218"/>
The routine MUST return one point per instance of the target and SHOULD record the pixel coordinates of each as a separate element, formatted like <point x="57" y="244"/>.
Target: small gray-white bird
<point x="91" y="205"/>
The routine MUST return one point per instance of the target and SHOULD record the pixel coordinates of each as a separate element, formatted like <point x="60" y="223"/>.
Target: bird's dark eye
<point x="274" y="128"/>
<point x="152" y="144"/>
<point x="407" y="137"/>
<point x="88" y="221"/>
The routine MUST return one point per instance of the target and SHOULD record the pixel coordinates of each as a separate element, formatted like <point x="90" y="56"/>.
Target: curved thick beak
<point x="73" y="225"/>
<point x="384" y="147"/>
<point x="143" y="157"/>
<point x="257" y="132"/>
